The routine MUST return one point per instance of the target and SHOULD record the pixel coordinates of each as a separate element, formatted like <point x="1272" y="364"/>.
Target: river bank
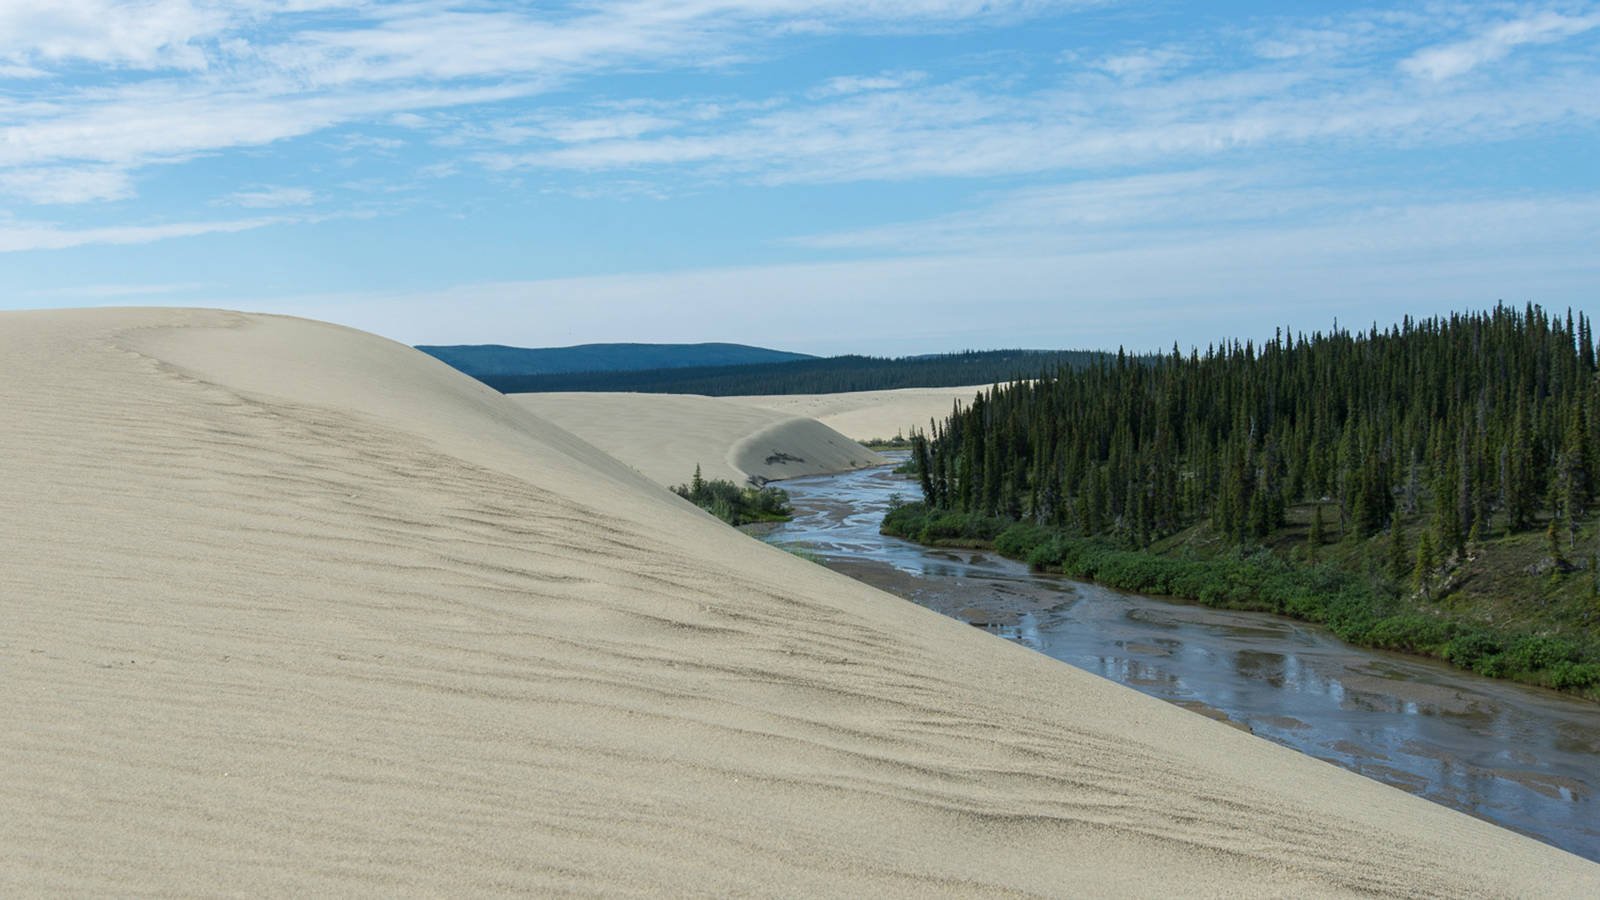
<point x="1522" y="757"/>
<point x="1358" y="609"/>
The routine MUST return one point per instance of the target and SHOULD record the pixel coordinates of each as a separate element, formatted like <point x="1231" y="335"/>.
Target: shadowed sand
<point x="869" y="415"/>
<point x="293" y="609"/>
<point x="666" y="435"/>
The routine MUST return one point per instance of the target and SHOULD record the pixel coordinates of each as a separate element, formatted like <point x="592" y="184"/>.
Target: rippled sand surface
<point x="291" y="608"/>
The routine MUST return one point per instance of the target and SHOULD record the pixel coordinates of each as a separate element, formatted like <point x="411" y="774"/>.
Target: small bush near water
<point x="734" y="504"/>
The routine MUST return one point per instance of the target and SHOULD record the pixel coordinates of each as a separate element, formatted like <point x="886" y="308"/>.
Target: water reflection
<point x="1521" y="757"/>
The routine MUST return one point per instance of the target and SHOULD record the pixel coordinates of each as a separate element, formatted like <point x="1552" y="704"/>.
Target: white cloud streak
<point x="1294" y="86"/>
<point x="1419" y="258"/>
<point x="962" y="131"/>
<point x="54" y="185"/>
<point x="102" y="293"/>
<point x="255" y="72"/>
<point x="271" y="197"/>
<point x="1458" y="58"/>
<point x="19" y="236"/>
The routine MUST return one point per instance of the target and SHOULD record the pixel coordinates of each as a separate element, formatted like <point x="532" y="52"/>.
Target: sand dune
<point x="293" y="609"/>
<point x="666" y="435"/>
<point x="869" y="415"/>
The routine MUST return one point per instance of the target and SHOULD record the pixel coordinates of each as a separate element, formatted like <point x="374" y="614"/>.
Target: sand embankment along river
<point x="870" y="415"/>
<point x="293" y="609"/>
<point x="666" y="435"/>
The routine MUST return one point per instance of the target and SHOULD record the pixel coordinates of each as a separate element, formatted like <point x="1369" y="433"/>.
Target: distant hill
<point x="837" y="374"/>
<point x="485" y="361"/>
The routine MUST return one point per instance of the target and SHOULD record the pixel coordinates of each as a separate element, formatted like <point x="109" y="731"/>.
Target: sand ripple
<point x="289" y="608"/>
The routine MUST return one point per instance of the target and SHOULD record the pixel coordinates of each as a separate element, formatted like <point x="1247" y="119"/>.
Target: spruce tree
<point x="1446" y="514"/>
<point x="1422" y="576"/>
<point x="1399" y="549"/>
<point x="1572" y="474"/>
<point x="1315" y="538"/>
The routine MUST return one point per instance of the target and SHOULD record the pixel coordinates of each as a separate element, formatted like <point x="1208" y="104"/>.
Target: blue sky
<point x="885" y="176"/>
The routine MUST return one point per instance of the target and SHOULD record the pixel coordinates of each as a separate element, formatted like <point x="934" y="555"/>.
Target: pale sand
<point x="666" y="435"/>
<point x="870" y="415"/>
<point x="292" y="609"/>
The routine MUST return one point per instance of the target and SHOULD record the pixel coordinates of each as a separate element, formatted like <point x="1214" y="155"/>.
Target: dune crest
<point x="666" y="435"/>
<point x="869" y="415"/>
<point x="292" y="608"/>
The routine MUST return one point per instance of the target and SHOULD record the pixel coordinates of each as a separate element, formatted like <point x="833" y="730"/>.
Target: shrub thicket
<point x="734" y="504"/>
<point x="1352" y="607"/>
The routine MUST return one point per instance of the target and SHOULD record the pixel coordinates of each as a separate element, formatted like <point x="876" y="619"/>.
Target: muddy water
<point x="1524" y="758"/>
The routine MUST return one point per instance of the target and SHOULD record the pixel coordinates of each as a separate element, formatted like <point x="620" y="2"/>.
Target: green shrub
<point x="734" y="504"/>
<point x="1530" y="653"/>
<point x="1409" y="631"/>
<point x="1466" y="649"/>
<point x="1355" y="609"/>
<point x="1574" y="676"/>
<point x="1492" y="666"/>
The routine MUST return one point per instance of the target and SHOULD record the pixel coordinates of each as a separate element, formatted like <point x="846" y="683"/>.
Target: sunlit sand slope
<point x="666" y="435"/>
<point x="866" y="415"/>
<point x="290" y="609"/>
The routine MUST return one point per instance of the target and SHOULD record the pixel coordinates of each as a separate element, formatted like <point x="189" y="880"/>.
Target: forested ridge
<point x="837" y="374"/>
<point x="499" y="361"/>
<point x="1400" y="454"/>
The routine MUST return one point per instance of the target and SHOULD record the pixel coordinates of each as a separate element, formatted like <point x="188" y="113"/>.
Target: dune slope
<point x="290" y="608"/>
<point x="869" y="415"/>
<point x="666" y="435"/>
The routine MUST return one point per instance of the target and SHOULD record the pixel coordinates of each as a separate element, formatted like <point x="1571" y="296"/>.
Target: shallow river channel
<point x="1520" y="757"/>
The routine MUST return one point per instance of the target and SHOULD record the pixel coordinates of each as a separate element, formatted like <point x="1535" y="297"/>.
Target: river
<point x="1524" y="758"/>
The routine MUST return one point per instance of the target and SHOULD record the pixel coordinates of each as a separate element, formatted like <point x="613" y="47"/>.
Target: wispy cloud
<point x="248" y="74"/>
<point x="856" y="84"/>
<point x="103" y="292"/>
<point x="1098" y="213"/>
<point x="17" y="236"/>
<point x="1141" y="64"/>
<point x="1155" y="153"/>
<point x="271" y="197"/>
<point x="1262" y="208"/>
<point x="964" y="130"/>
<point x="1206" y="97"/>
<point x="148" y="34"/>
<point x="57" y="184"/>
<point x="1418" y="257"/>
<point x="1460" y="57"/>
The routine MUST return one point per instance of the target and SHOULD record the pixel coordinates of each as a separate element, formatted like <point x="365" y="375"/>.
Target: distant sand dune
<point x="666" y="435"/>
<point x="869" y="415"/>
<point x="288" y="608"/>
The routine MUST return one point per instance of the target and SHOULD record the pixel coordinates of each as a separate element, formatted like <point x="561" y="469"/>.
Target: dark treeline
<point x="812" y="376"/>
<point x="1482" y="421"/>
<point x="1432" y="450"/>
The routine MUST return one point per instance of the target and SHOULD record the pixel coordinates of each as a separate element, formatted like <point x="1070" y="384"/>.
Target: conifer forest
<point x="1397" y="452"/>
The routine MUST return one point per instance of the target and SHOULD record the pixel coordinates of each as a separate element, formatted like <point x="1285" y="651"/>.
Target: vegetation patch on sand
<point x="898" y="442"/>
<point x="734" y="504"/>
